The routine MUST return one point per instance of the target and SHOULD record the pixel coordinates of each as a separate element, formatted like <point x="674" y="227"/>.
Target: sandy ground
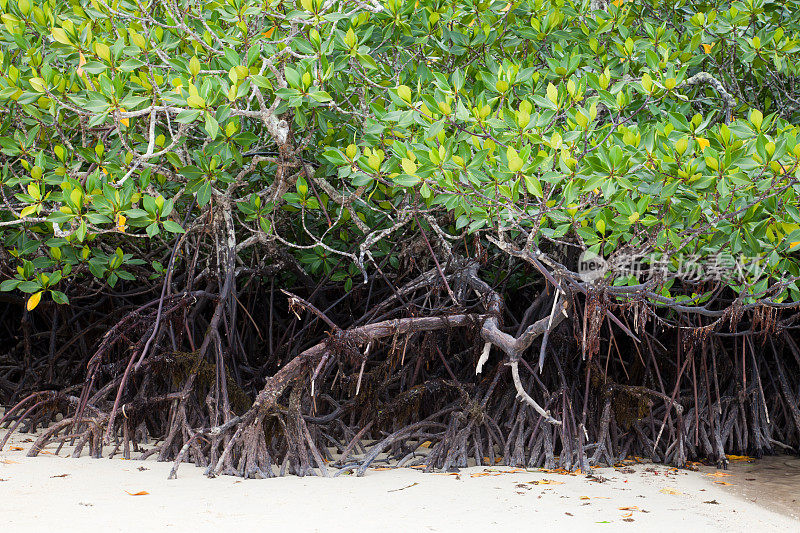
<point x="53" y="493"/>
<point x="773" y="482"/>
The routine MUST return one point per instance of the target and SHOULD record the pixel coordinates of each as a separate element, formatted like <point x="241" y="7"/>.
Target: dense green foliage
<point x="665" y="128"/>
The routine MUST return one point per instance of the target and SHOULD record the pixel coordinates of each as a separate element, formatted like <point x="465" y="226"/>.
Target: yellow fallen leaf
<point x="426" y="444"/>
<point x="629" y="508"/>
<point x="668" y="490"/>
<point x="561" y="471"/>
<point x="546" y="482"/>
<point x="742" y="457"/>
<point x="7" y="461"/>
<point x="723" y="483"/>
<point x="140" y="493"/>
<point x="16" y="448"/>
<point x="718" y="474"/>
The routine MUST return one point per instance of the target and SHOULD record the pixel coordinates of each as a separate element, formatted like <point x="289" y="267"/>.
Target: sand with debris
<point x="56" y="493"/>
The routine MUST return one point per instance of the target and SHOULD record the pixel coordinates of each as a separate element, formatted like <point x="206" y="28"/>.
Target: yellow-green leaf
<point x="409" y="167"/>
<point x="138" y="40"/>
<point x="404" y="92"/>
<point x="27" y="210"/>
<point x="514" y="160"/>
<point x="647" y="82"/>
<point x="194" y="66"/>
<point x="374" y="161"/>
<point x="103" y="52"/>
<point x="37" y="84"/>
<point x="241" y="72"/>
<point x="600" y="225"/>
<point x="196" y="101"/>
<point x="552" y="93"/>
<point x="33" y="190"/>
<point x="61" y="36"/>
<point x="757" y="118"/>
<point x="581" y="119"/>
<point x="76" y="196"/>
<point x="681" y="145"/>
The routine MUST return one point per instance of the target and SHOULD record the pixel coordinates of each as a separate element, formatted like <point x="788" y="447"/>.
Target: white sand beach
<point x="56" y="493"/>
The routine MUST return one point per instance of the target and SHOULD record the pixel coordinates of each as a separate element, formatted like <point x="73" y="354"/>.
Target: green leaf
<point x="212" y="126"/>
<point x="9" y="285"/>
<point x="320" y="96"/>
<point x="59" y="297"/>
<point x="204" y="193"/>
<point x="173" y="227"/>
<point x="534" y="186"/>
<point x="406" y="180"/>
<point x="367" y="61"/>
<point x="187" y="116"/>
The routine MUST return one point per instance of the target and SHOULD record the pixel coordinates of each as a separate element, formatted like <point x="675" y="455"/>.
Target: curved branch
<point x="525" y="397"/>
